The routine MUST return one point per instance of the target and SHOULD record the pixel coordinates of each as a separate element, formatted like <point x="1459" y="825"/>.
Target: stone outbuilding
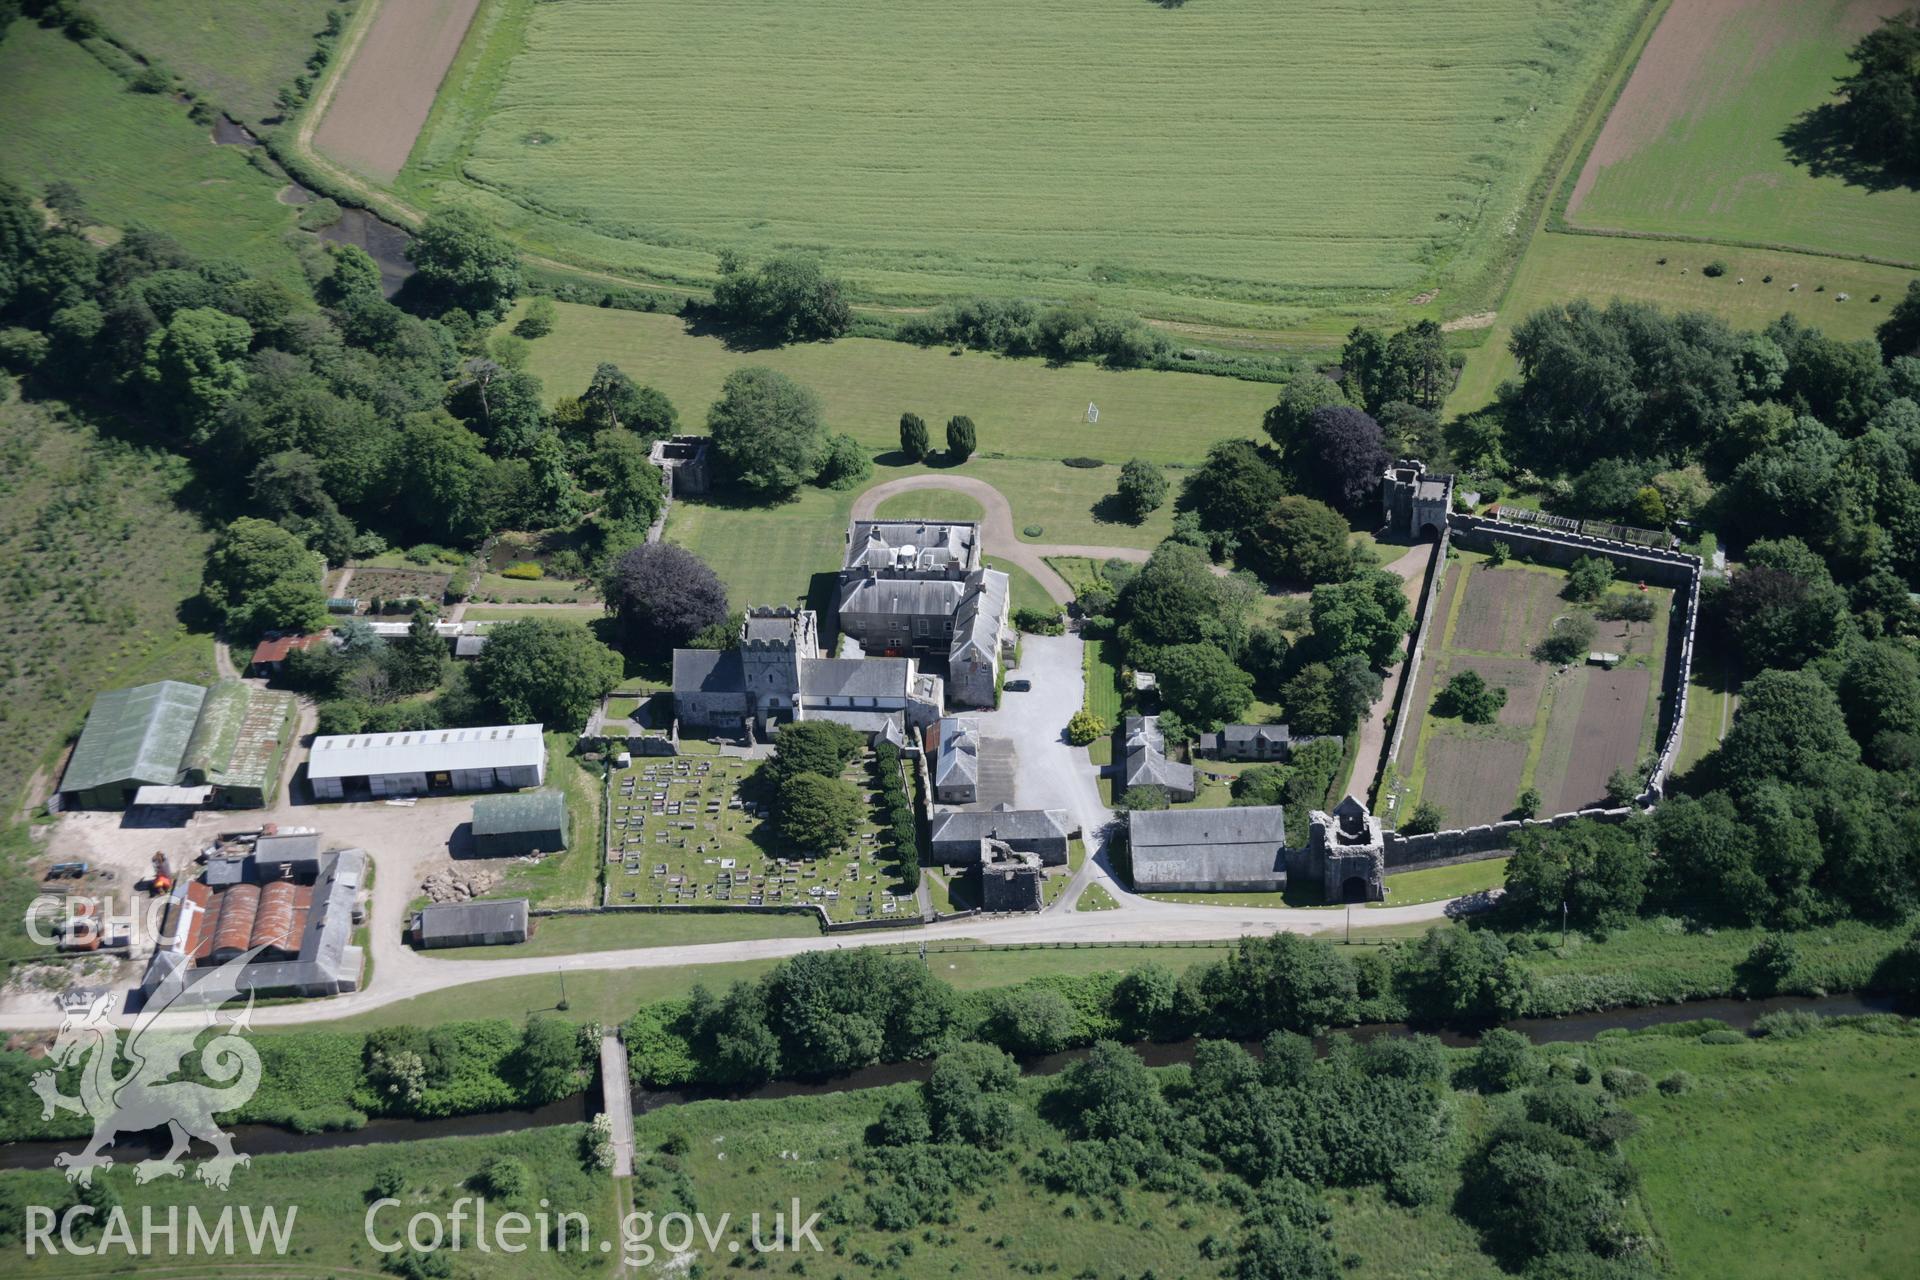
<point x="484" y="922"/>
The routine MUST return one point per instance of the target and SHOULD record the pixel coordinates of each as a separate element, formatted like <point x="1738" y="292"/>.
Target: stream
<point x="262" y="1139"/>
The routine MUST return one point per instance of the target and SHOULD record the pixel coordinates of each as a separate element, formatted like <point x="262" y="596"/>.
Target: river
<point x="261" y="1139"/>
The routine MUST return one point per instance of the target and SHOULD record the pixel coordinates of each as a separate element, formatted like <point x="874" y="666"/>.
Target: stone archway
<point x="1429" y="532"/>
<point x="1356" y="889"/>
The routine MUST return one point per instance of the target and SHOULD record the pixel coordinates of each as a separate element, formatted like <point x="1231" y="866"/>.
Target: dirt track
<point x="391" y="79"/>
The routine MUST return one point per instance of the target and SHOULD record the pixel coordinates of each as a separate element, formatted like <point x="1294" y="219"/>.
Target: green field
<point x="239" y="53"/>
<point x="326" y="1193"/>
<point x="136" y="157"/>
<point x="1236" y="162"/>
<point x="1796" y="1156"/>
<point x="1023" y="407"/>
<point x="98" y="560"/>
<point x="1695" y="146"/>
<point x="1559" y="268"/>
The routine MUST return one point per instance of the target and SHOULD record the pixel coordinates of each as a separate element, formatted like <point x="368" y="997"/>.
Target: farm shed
<point x="485" y="923"/>
<point x="238" y="742"/>
<point x="373" y="765"/>
<point x="532" y="822"/>
<point x="133" y="738"/>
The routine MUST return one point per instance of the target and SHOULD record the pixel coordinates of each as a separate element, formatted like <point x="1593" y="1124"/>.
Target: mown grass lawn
<point x="930" y="504"/>
<point x="1023" y="591"/>
<point x="570" y="878"/>
<point x="1023" y="408"/>
<point x="1436" y="884"/>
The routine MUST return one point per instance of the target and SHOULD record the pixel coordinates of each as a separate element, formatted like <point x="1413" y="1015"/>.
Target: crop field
<point x="1559" y="268"/>
<point x="1237" y="162"/>
<point x="240" y="53"/>
<point x="1562" y="731"/>
<point x="135" y="157"/>
<point x="1701" y="142"/>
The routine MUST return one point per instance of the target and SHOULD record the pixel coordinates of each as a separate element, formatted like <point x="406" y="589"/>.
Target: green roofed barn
<point x="133" y="738"/>
<point x="192" y="745"/>
<point x="531" y="822"/>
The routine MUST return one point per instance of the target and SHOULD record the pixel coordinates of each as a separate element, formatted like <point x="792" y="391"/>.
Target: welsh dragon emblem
<point x="147" y="1096"/>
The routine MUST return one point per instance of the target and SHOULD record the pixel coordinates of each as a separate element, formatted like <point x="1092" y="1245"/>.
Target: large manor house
<point x="909" y="592"/>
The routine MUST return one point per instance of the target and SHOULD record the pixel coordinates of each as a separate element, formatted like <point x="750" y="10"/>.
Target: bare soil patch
<point x="1522" y="678"/>
<point x="394" y="584"/>
<point x="384" y="97"/>
<point x="1606" y="736"/>
<point x="1474" y="780"/>
<point x="1506" y="610"/>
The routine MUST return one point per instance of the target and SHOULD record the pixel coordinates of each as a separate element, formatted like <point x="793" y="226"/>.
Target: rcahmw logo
<point x="146" y="1097"/>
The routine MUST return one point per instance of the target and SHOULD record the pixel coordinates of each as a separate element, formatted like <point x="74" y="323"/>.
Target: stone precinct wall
<point x="1674" y="569"/>
<point x="1490" y="840"/>
<point x="1410" y="671"/>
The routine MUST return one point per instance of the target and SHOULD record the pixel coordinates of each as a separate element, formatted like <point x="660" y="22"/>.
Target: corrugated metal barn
<point x="375" y="765"/>
<point x="508" y="826"/>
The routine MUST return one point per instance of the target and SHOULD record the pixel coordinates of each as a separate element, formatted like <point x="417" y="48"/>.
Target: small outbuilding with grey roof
<point x="510" y="826"/>
<point x="481" y="923"/>
<point x="960" y="838"/>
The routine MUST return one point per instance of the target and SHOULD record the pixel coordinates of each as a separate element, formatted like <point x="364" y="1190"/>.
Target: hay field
<point x="1561" y="731"/>
<point x="1237" y="161"/>
<point x="1695" y="145"/>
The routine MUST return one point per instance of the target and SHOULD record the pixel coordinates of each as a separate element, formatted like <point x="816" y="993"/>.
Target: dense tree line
<point x="1879" y="112"/>
<point x="346" y="420"/>
<point x="1018" y="327"/>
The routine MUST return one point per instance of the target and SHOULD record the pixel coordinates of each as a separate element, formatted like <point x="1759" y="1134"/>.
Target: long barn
<point x="372" y="766"/>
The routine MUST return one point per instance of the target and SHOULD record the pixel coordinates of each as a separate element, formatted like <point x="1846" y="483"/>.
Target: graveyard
<point x="685" y="831"/>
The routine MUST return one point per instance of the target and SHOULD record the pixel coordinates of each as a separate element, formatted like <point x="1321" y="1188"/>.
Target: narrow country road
<point x="997" y="526"/>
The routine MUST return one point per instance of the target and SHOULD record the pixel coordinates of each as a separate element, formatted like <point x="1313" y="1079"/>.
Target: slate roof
<point x="139" y="734"/>
<point x="1014" y="826"/>
<point x="913" y="597"/>
<point x="959" y="761"/>
<point x="1184" y="845"/>
<point x="937" y="544"/>
<point x="471" y="919"/>
<point x="977" y="622"/>
<point x="1254" y="733"/>
<point x="707" y="671"/>
<point x="853" y="677"/>
<point x="1146" y="763"/>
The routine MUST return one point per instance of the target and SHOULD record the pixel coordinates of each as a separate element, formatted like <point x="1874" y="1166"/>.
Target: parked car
<point x="1018" y="686"/>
